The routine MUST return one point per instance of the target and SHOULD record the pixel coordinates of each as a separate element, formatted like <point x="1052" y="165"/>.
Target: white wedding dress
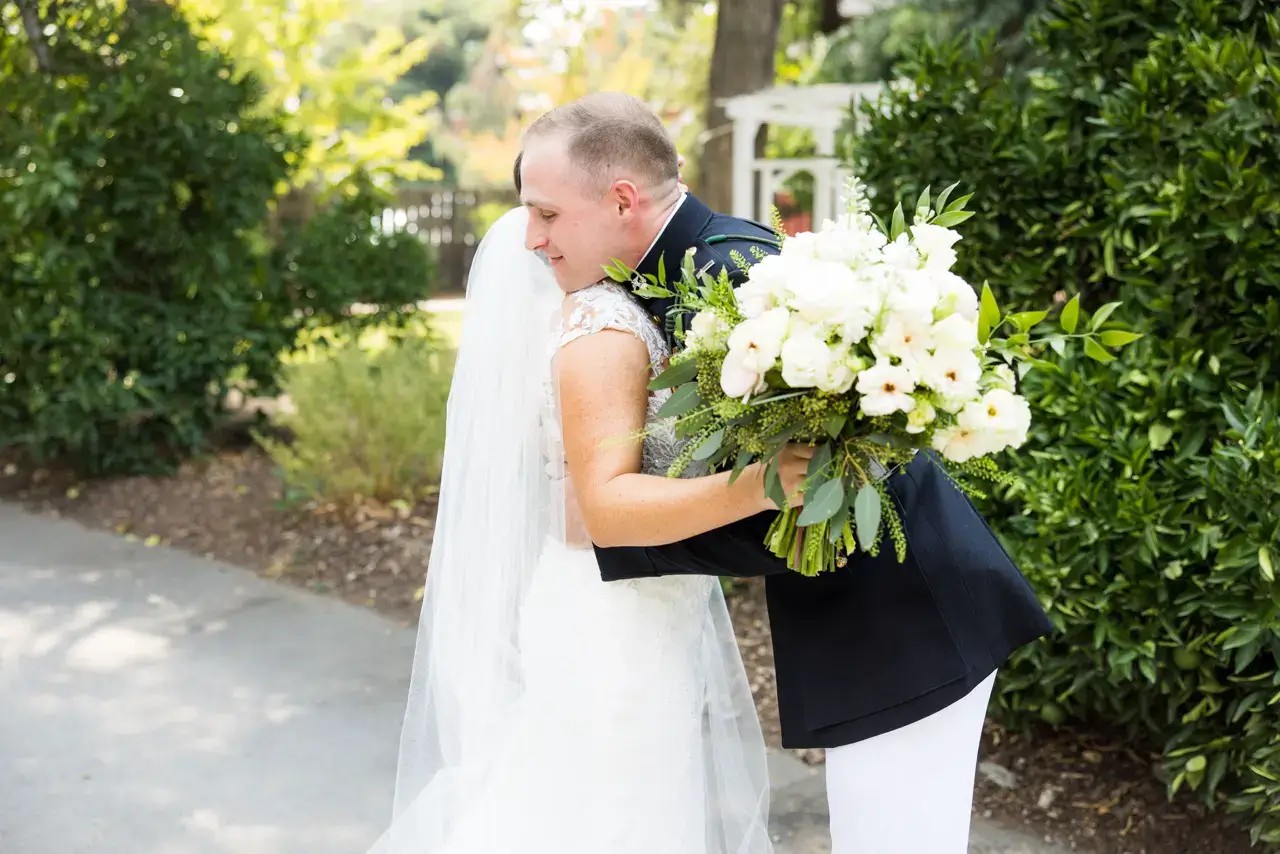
<point x="605" y="718"/>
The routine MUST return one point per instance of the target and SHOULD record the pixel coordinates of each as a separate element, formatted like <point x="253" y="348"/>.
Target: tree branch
<point x="35" y="34"/>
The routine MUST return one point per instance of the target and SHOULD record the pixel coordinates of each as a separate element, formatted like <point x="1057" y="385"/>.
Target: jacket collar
<point x="682" y="232"/>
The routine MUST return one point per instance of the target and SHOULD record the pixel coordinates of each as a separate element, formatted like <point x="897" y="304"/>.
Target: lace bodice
<point x="610" y="306"/>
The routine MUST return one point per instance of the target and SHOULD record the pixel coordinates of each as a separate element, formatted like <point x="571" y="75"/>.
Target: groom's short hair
<point x="611" y="135"/>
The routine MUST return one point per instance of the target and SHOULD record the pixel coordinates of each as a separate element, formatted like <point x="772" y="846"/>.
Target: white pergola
<point x="822" y="109"/>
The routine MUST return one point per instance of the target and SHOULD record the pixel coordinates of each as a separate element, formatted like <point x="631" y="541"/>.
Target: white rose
<point x="806" y="359"/>
<point x="901" y="255"/>
<point x="921" y="417"/>
<point x="821" y="292"/>
<point x="764" y="287"/>
<point x="955" y="332"/>
<point x="758" y="341"/>
<point x="856" y="325"/>
<point x="802" y="245"/>
<point x="738" y="381"/>
<point x="839" y="377"/>
<point x="956" y="296"/>
<point x="916" y="295"/>
<point x="885" y="389"/>
<point x="953" y="375"/>
<point x="934" y="243"/>
<point x="839" y="247"/>
<point x="904" y="338"/>
<point x="707" y="329"/>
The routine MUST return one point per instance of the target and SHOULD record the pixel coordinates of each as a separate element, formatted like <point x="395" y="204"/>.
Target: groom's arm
<point x="736" y="550"/>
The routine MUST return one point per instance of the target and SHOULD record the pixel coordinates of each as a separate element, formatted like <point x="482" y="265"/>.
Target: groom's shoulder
<point x="728" y="241"/>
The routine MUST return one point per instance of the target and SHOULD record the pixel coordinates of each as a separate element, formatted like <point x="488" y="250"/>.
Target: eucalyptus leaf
<point x="866" y="515"/>
<point x="683" y="400"/>
<point x="824" y="503"/>
<point x="709" y="445"/>
<point x="677" y="374"/>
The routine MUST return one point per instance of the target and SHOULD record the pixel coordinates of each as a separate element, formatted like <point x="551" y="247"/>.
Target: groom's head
<point x="598" y="176"/>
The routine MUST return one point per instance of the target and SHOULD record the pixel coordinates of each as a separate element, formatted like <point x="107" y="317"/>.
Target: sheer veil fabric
<point x="550" y="712"/>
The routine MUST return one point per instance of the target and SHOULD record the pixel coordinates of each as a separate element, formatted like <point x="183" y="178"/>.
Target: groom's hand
<point x="793" y="465"/>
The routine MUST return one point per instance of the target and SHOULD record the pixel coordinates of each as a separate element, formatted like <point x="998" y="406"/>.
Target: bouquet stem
<point x="808" y="550"/>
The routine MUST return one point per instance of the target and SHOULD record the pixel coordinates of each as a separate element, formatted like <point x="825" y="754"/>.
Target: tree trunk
<point x="35" y="34"/>
<point x="741" y="62"/>
<point x="829" y="20"/>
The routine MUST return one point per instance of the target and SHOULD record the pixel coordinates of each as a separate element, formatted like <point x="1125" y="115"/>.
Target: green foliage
<point x="132" y="285"/>
<point x="343" y="254"/>
<point x="1140" y="162"/>
<point x="368" y="420"/>
<point x="137" y="280"/>
<point x="329" y="75"/>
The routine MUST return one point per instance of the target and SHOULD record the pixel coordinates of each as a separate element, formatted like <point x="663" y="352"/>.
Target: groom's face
<point x="579" y="230"/>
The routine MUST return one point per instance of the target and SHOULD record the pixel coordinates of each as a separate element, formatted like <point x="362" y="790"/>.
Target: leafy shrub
<point x="1141" y="162"/>
<point x="368" y="417"/>
<point x="339" y="256"/>
<point x="137" y="279"/>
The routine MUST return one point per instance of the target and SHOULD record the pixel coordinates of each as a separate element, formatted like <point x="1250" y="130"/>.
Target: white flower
<point x="821" y="292"/>
<point x="764" y="288"/>
<point x="958" y="444"/>
<point x="955" y="332"/>
<point x="707" y="329"/>
<point x="904" y="338"/>
<point x="840" y="375"/>
<point x="934" y="243"/>
<point x="802" y="245"/>
<point x="757" y="342"/>
<point x="806" y="360"/>
<point x="885" y="389"/>
<point x="850" y="241"/>
<point x="916" y="295"/>
<point x="953" y="375"/>
<point x="1002" y="418"/>
<point x="956" y="296"/>
<point x="921" y="417"/>
<point x="738" y="381"/>
<point x="901" y="255"/>
<point x="1000" y="376"/>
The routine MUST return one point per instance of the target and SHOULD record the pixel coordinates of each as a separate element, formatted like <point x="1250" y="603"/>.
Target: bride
<point x="550" y="712"/>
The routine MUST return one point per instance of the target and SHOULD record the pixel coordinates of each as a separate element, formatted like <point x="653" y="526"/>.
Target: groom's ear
<point x="625" y="197"/>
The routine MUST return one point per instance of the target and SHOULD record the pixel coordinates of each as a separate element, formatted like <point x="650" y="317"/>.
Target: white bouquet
<point x="858" y="339"/>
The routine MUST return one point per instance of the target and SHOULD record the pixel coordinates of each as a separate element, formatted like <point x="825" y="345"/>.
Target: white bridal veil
<point x="500" y="503"/>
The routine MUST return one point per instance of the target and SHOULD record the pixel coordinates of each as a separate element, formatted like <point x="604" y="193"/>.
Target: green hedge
<point x="1141" y="162"/>
<point x="135" y="272"/>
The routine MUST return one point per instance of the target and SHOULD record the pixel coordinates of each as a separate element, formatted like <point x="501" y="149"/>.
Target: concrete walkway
<point x="152" y="702"/>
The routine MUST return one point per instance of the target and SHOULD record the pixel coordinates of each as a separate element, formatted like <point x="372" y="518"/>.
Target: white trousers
<point x="909" y="791"/>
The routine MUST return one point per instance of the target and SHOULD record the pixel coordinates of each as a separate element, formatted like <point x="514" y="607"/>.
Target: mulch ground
<point x="1083" y="790"/>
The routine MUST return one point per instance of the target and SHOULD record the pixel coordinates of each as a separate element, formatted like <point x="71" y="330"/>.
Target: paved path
<point x="152" y="702"/>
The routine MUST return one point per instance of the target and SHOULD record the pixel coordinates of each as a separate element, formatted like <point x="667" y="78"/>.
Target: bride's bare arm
<point x="603" y="381"/>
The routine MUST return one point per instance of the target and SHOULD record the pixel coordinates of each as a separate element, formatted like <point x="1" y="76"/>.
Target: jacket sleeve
<point x="736" y="550"/>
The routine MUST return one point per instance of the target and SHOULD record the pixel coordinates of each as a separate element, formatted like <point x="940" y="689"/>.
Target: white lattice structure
<point x="822" y="109"/>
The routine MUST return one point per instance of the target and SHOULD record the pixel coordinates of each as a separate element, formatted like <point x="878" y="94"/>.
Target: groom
<point x="889" y="666"/>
